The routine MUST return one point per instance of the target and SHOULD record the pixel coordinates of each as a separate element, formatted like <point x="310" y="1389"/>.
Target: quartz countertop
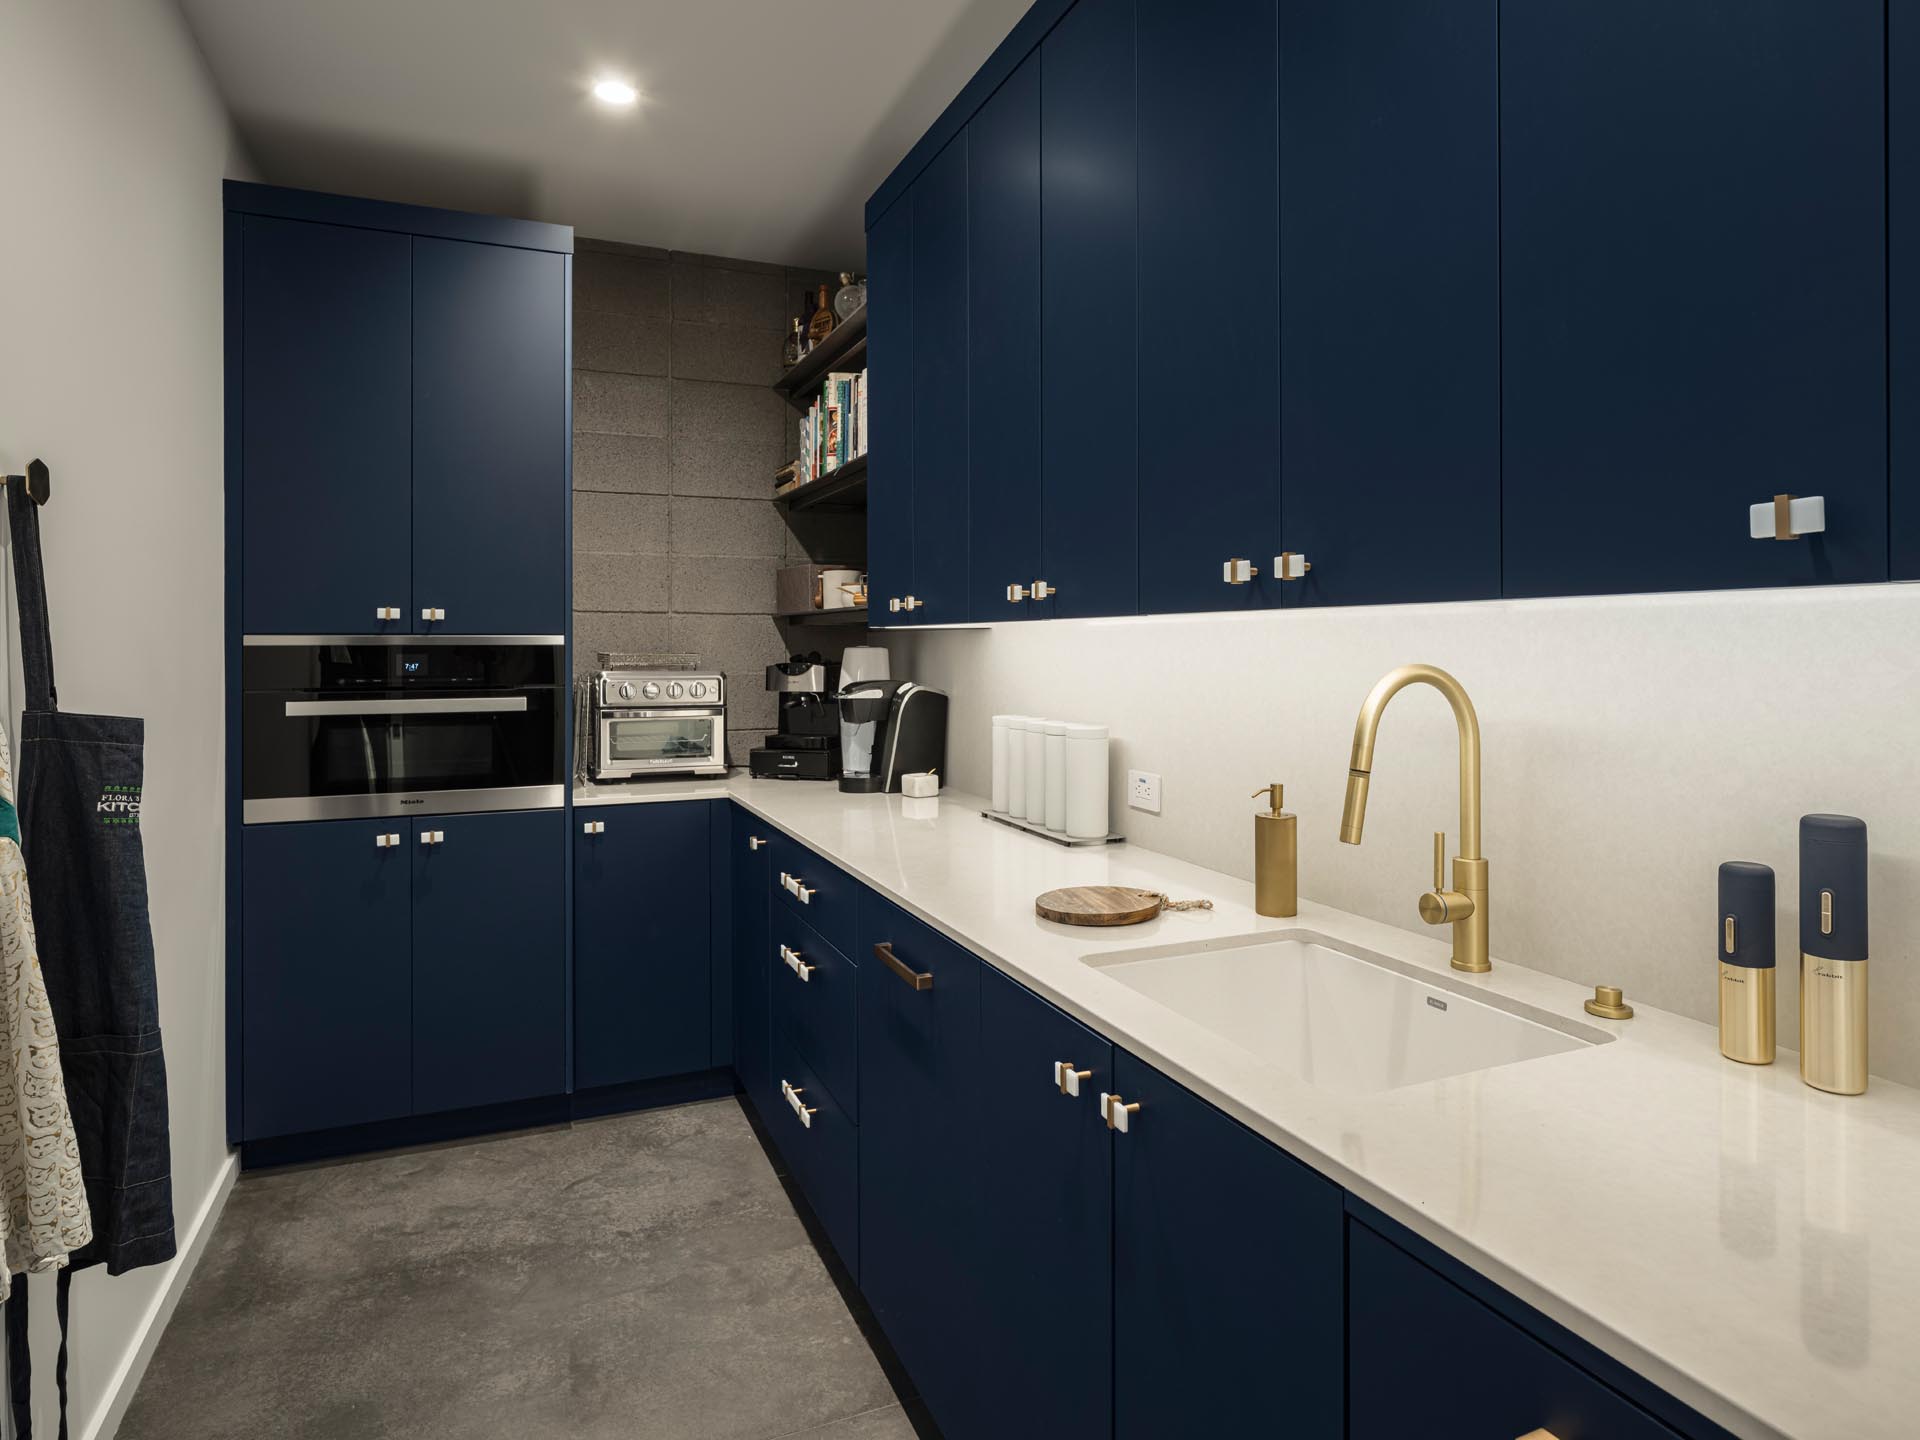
<point x="1745" y="1242"/>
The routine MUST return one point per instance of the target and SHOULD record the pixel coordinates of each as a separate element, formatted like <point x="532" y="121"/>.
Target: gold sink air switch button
<point x="1609" y="1004"/>
<point x="1746" y="962"/>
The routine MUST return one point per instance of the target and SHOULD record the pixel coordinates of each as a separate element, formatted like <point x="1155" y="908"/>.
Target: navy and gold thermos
<point x="1745" y="943"/>
<point x="1833" y="953"/>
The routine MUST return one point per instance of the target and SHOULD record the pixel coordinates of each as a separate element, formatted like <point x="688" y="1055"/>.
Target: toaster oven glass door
<point x="645" y="742"/>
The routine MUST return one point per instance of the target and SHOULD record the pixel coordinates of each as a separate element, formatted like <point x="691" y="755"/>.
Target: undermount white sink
<point x="1340" y="1018"/>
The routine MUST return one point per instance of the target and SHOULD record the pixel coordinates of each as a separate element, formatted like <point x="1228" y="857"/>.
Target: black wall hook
<point x="38" y="482"/>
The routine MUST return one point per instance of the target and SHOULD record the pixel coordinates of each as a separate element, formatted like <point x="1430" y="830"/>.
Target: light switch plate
<point x="1143" y="791"/>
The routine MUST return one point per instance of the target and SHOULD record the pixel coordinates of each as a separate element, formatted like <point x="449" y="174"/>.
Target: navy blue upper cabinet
<point x="324" y="989"/>
<point x="919" y="1165"/>
<point x="1003" y="347"/>
<point x="324" y="427"/>
<point x="1227" y="1279"/>
<point x="1390" y="304"/>
<point x="1208" y="375"/>
<point x="890" y="476"/>
<point x="1694" y="291"/>
<point x="1903" y="232"/>
<point x="940" y="387"/>
<point x="642" y="942"/>
<point x="1046" y="1215"/>
<point x="489" y="958"/>
<point x="1089" y="252"/>
<point x="489" y="438"/>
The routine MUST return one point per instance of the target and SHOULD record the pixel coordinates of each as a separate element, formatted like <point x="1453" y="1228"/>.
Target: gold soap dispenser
<point x="1276" y="856"/>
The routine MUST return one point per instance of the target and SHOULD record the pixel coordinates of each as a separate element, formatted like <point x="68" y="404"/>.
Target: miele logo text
<point x="118" y="805"/>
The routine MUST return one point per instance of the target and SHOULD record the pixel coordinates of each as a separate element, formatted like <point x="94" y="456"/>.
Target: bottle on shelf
<point x="822" y="323"/>
<point x="851" y="297"/>
<point x="795" y="345"/>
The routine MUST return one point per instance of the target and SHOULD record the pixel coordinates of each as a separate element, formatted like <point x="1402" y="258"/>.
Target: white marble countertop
<point x="1747" y="1243"/>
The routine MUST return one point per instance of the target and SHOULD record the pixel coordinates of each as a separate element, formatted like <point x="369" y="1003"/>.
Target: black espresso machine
<point x="807" y="744"/>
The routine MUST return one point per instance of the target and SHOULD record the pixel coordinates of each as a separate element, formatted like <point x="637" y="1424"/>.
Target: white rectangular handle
<point x="432" y="837"/>
<point x="594" y="827"/>
<point x="800" y="1108"/>
<point x="1787" y="517"/>
<point x="386" y="841"/>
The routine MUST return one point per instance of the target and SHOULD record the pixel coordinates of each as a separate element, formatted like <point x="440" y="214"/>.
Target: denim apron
<point x="79" y="801"/>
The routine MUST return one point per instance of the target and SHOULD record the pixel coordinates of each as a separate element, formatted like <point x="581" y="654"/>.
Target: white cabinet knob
<point x="1067" y="1079"/>
<point x="1042" y="590"/>
<point x="432" y="837"/>
<point x="1238" y="572"/>
<point x="754" y="842"/>
<point x="1291" y="565"/>
<point x="1788" y="517"/>
<point x="1116" y="1111"/>
<point x="594" y="827"/>
<point x="1017" y="593"/>
<point x="386" y="612"/>
<point x="386" y="841"/>
<point x="431" y="614"/>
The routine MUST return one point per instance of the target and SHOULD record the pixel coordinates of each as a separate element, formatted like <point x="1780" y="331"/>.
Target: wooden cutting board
<point x="1097" y="905"/>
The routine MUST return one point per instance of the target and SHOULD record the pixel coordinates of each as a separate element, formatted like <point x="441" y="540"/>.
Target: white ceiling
<point x="763" y="125"/>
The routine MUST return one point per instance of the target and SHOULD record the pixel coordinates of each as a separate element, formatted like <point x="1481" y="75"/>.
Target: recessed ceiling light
<point x="610" y="91"/>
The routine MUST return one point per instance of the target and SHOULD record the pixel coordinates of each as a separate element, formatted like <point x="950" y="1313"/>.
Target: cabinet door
<point x="1693" y="291"/>
<point x="642" y="943"/>
<point x="326" y="504"/>
<point x="1046" y="1216"/>
<point x="752" y="955"/>
<point x="1401" y="1382"/>
<point x="1227" y="1283"/>
<point x="489" y="959"/>
<point x="1903" y="233"/>
<point x="1390" y="300"/>
<point x="1003" y="346"/>
<point x="1089" y="272"/>
<point x="919" y="1167"/>
<point x="1209" y="371"/>
<point x="490" y="488"/>
<point x="940" y="386"/>
<point x="890" y="484"/>
<point x="325" y="976"/>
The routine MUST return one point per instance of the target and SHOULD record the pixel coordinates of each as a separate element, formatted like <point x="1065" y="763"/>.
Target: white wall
<point x="1631" y="745"/>
<point x="110" y="370"/>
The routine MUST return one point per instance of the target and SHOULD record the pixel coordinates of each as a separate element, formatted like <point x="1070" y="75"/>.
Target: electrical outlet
<point x="1143" y="791"/>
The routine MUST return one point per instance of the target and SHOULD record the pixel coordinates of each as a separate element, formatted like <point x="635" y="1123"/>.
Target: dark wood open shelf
<point x="856" y="616"/>
<point x="845" y="348"/>
<point x="844" y="489"/>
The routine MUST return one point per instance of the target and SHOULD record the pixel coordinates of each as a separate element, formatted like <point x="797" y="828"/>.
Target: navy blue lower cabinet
<point x="489" y="958"/>
<point x="1227" y="1275"/>
<point x="816" y="1004"/>
<point x="752" y="955"/>
<point x="1426" y="1358"/>
<point x="1390" y="322"/>
<point x="1692" y="203"/>
<point x="821" y="1144"/>
<point x="890" y="484"/>
<point x="1046" y="1216"/>
<point x="325" y="976"/>
<point x="921" y="1154"/>
<point x="642" y="942"/>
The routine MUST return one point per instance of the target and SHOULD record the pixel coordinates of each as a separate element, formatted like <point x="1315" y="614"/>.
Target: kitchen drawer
<point x="816" y="1001"/>
<point x="825" y="897"/>
<point x="822" y="1149"/>
<point x="1488" y="1377"/>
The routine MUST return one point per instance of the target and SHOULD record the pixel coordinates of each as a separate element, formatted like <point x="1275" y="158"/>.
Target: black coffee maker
<point x="807" y="744"/>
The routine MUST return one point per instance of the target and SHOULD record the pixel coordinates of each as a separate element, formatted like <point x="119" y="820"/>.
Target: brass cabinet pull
<point x="918" y="979"/>
<point x="802" y="1111"/>
<point x="1043" y="591"/>
<point x="594" y="827"/>
<point x="1067" y="1078"/>
<point x="754" y="842"/>
<point x="1116" y="1112"/>
<point x="796" y="964"/>
<point x="1238" y="572"/>
<point x="1017" y="593"/>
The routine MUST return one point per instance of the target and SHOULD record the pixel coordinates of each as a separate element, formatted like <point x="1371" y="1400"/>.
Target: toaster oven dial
<point x="698" y="690"/>
<point x="626" y="690"/>
<point x="651" y="690"/>
<point x="673" y="690"/>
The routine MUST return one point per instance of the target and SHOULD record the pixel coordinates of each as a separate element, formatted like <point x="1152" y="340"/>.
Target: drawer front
<point x="823" y="896"/>
<point x="816" y="1000"/>
<point x="823" y="1149"/>
<point x="1489" y="1377"/>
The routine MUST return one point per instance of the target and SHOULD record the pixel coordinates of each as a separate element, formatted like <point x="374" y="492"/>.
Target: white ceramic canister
<point x="998" y="802"/>
<point x="1054" y="748"/>
<point x="1017" y="766"/>
<point x="1035" y="739"/>
<point x="1087" y="801"/>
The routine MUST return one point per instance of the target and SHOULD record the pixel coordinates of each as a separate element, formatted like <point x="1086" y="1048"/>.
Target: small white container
<point x="1054" y="748"/>
<point x="920" y="784"/>
<point x="1034" y="737"/>
<point x="1017" y="766"/>
<point x="998" y="801"/>
<point x="1088" y="809"/>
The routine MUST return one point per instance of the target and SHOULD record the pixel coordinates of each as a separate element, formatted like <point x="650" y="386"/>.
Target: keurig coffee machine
<point x="807" y="744"/>
<point x="891" y="728"/>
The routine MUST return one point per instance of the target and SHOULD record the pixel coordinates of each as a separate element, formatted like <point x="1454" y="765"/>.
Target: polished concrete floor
<point x="643" y="1277"/>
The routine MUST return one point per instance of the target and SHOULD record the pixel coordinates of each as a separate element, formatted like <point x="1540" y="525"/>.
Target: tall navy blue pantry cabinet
<point x="891" y="488"/>
<point x="1693" y="287"/>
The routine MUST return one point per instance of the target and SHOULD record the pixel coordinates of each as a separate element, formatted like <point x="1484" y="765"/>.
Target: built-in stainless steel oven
<point x="658" y="722"/>
<point x="343" y="726"/>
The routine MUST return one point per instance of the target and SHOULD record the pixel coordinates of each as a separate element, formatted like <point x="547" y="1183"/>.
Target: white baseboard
<point x="133" y="1364"/>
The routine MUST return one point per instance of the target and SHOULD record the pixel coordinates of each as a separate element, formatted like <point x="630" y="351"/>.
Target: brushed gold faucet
<point x="1464" y="906"/>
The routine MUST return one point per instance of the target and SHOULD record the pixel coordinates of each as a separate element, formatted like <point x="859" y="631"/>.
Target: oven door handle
<point x="610" y="714"/>
<point x="422" y="705"/>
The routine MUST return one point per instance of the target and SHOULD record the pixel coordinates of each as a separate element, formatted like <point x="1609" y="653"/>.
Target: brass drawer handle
<point x="918" y="979"/>
<point x="802" y="1111"/>
<point x="1117" y="1112"/>
<point x="795" y="963"/>
<point x="1067" y="1078"/>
